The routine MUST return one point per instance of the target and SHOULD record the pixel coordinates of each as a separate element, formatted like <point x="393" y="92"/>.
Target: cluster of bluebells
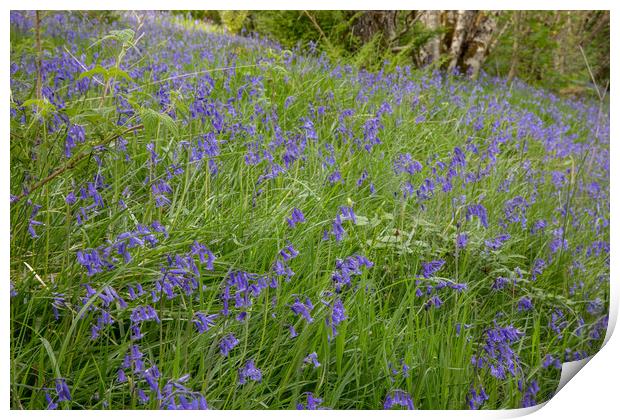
<point x="105" y="258"/>
<point x="338" y="232"/>
<point x="476" y="398"/>
<point x="398" y="398"/>
<point x="229" y="109"/>
<point x="312" y="403"/>
<point x="345" y="269"/>
<point x="249" y="372"/>
<point x="181" y="273"/>
<point x="62" y="394"/>
<point x="497" y="353"/>
<point x="101" y="303"/>
<point x="296" y="217"/>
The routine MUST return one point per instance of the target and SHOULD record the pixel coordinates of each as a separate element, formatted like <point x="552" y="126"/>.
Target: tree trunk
<point x="514" y="59"/>
<point x="430" y="52"/>
<point x="478" y="44"/>
<point x="464" y="19"/>
<point x="373" y="22"/>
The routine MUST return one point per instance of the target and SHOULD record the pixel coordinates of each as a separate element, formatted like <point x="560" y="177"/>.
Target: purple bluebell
<point x="62" y="390"/>
<point x="529" y="396"/>
<point x="249" y="371"/>
<point x="477" y="210"/>
<point x="497" y="353"/>
<point x="144" y="313"/>
<point x="525" y="304"/>
<point x="497" y="242"/>
<point x="204" y="254"/>
<point x="296" y="217"/>
<point x="537" y="268"/>
<point x="461" y="240"/>
<point x="76" y="134"/>
<point x="435" y="301"/>
<point x="347" y="268"/>
<point x="499" y="283"/>
<point x="204" y="322"/>
<point x="476" y="398"/>
<point x="400" y="398"/>
<point x="312" y="358"/>
<point x="288" y="252"/>
<point x="312" y="403"/>
<point x="404" y="163"/>
<point x="303" y="309"/>
<point x="292" y="332"/>
<point x="228" y="343"/>
<point x="550" y="360"/>
<point x="337" y="316"/>
<point x="431" y="267"/>
<point x="32" y="223"/>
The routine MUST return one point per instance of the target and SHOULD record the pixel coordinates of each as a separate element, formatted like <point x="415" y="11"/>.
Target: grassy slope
<point x="386" y="322"/>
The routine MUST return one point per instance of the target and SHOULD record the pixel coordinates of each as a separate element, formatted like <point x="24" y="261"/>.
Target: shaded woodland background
<point x="561" y="50"/>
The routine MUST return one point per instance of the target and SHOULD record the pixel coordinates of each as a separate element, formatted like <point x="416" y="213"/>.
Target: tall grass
<point x="261" y="103"/>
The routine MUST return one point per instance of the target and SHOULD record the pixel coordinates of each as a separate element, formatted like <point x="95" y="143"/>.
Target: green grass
<point x="245" y="229"/>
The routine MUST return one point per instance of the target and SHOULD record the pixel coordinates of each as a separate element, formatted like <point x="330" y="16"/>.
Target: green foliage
<point x="386" y="321"/>
<point x="291" y="27"/>
<point x="548" y="50"/>
<point x="233" y="20"/>
<point x="207" y="15"/>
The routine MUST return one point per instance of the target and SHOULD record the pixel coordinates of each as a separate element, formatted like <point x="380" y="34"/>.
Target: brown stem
<point x="72" y="164"/>
<point x="318" y="28"/>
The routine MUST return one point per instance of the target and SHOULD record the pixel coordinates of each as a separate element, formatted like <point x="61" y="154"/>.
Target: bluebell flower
<point x="32" y="223"/>
<point x="337" y="316"/>
<point x="537" y="268"/>
<point x="475" y="399"/>
<point x="312" y="358"/>
<point x="144" y="313"/>
<point x="296" y="217"/>
<point x="497" y="242"/>
<point x="497" y="352"/>
<point x="477" y="210"/>
<point x="228" y="343"/>
<point x="348" y="214"/>
<point x="538" y="226"/>
<point x="288" y="252"/>
<point x="529" y="397"/>
<point x="550" y="360"/>
<point x="303" y="309"/>
<point x="500" y="283"/>
<point x="57" y="303"/>
<point x="431" y="267"/>
<point x="515" y="211"/>
<point x="62" y="390"/>
<point x="405" y="164"/>
<point x="249" y="371"/>
<point x="434" y="301"/>
<point x="76" y="134"/>
<point x="292" y="332"/>
<point x="461" y="240"/>
<point x="400" y="398"/>
<point x="524" y="304"/>
<point x="204" y="254"/>
<point x="204" y="322"/>
<point x="334" y="177"/>
<point x="312" y="403"/>
<point x="347" y="268"/>
<point x="51" y="404"/>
